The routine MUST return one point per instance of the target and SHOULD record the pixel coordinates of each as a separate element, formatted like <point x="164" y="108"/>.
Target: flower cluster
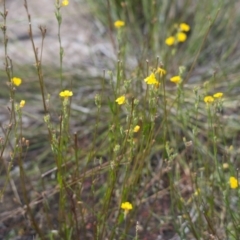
<point x="151" y="79"/>
<point x="211" y="99"/>
<point x="180" y="35"/>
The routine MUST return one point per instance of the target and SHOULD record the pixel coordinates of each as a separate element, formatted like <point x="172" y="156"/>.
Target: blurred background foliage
<point x="149" y="22"/>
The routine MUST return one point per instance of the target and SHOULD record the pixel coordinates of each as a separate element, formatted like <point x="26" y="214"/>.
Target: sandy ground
<point x="84" y="39"/>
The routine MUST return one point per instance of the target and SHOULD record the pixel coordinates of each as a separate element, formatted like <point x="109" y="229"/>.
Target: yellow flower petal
<point x="65" y="2"/>
<point x="161" y="71"/>
<point x="170" y="41"/>
<point x="66" y="94"/>
<point x="208" y="99"/>
<point x="119" y="24"/>
<point x="233" y="182"/>
<point x="22" y="103"/>
<point x="176" y="79"/>
<point x="151" y="79"/>
<point x="184" y="27"/>
<point x="126" y="206"/>
<point x="181" y="37"/>
<point x="121" y="100"/>
<point x="16" y="81"/>
<point x="218" y="95"/>
<point x="136" y="128"/>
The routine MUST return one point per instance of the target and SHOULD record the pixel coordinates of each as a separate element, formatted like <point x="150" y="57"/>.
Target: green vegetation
<point x="151" y="152"/>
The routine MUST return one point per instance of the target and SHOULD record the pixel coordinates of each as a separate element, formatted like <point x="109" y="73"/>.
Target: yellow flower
<point x="65" y="2"/>
<point x="161" y="71"/>
<point x="176" y="79"/>
<point x="184" y="27"/>
<point x="218" y="95"/>
<point x="233" y="182"/>
<point x="181" y="37"/>
<point x="126" y="206"/>
<point x="16" y="81"/>
<point x="121" y="100"/>
<point x="22" y="103"/>
<point x="151" y="79"/>
<point x="136" y="128"/>
<point x="119" y="24"/>
<point x="170" y="41"/>
<point x="208" y="99"/>
<point x="66" y="94"/>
